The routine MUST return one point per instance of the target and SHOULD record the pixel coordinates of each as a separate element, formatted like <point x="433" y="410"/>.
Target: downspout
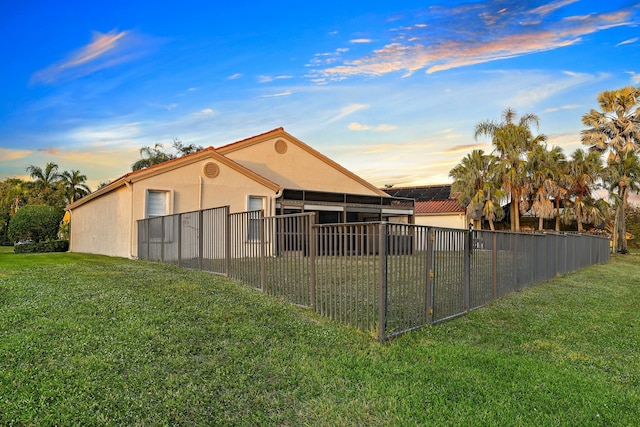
<point x="200" y="186"/>
<point x="131" y="222"/>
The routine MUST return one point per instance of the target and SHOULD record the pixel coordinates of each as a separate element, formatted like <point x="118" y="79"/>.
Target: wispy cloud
<point x="345" y="111"/>
<point x="267" y="79"/>
<point x="8" y="155"/>
<point x="379" y="128"/>
<point x="563" y="107"/>
<point x="472" y="34"/>
<point x="635" y="77"/>
<point x="104" y="51"/>
<point x="235" y="76"/>
<point x="276" y="95"/>
<point x="360" y="41"/>
<point x="629" y="41"/>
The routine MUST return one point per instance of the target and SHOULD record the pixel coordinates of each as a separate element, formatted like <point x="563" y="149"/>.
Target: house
<point x="434" y="205"/>
<point x="274" y="172"/>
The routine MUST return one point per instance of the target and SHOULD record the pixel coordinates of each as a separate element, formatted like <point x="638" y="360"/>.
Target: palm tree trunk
<point x="557" y="202"/>
<point x="622" y="226"/>
<point x="540" y="223"/>
<point x="517" y="213"/>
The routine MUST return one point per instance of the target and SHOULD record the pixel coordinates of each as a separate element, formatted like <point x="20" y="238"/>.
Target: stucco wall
<point x="445" y="221"/>
<point x="295" y="168"/>
<point x="102" y="226"/>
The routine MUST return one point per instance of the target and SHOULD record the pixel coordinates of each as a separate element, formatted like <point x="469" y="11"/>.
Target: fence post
<point x="382" y="296"/>
<point x="227" y="241"/>
<point x="162" y="239"/>
<point x="430" y="275"/>
<point x="263" y="253"/>
<point x="494" y="265"/>
<point x="200" y="238"/>
<point x="179" y="240"/>
<point x="312" y="259"/>
<point x="467" y="267"/>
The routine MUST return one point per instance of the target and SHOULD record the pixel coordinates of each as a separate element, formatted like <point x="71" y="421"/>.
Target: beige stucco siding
<point x="103" y="226"/>
<point x="190" y="189"/>
<point x="296" y="168"/>
<point x="457" y="220"/>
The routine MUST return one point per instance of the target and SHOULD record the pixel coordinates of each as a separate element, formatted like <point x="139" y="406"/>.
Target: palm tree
<point x="151" y="156"/>
<point x="615" y="130"/>
<point x="74" y="185"/>
<point x="474" y="186"/>
<point x="545" y="180"/>
<point x="583" y="171"/>
<point x="623" y="176"/>
<point x="46" y="178"/>
<point x="512" y="140"/>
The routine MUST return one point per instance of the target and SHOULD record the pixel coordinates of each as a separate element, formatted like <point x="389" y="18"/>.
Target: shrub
<point x="48" y="246"/>
<point x="36" y="223"/>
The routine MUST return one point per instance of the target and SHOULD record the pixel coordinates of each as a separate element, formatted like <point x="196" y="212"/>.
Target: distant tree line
<point x="530" y="177"/>
<point x="48" y="187"/>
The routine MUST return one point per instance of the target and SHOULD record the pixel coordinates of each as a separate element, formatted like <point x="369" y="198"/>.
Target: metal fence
<point x="382" y="278"/>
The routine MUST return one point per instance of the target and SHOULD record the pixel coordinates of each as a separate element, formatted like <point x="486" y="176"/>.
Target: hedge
<point x="47" y="246"/>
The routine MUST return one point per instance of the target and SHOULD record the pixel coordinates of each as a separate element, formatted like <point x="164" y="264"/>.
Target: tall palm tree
<point x="512" y="140"/>
<point x="583" y="172"/>
<point x="615" y="132"/>
<point x="474" y="185"/>
<point x="74" y="185"/>
<point x="623" y="177"/>
<point x="545" y="173"/>
<point x="46" y="178"/>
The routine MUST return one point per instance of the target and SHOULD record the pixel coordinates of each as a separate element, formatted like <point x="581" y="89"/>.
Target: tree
<point x="74" y="185"/>
<point x="512" y="140"/>
<point x="623" y="177"/>
<point x="615" y="131"/>
<point x="35" y="222"/>
<point x="545" y="170"/>
<point x="46" y="178"/>
<point x="151" y="156"/>
<point x="155" y="155"/>
<point x="474" y="185"/>
<point x="583" y="172"/>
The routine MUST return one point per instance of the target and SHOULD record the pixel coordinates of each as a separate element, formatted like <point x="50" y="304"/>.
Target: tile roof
<point x="438" y="206"/>
<point x="429" y="198"/>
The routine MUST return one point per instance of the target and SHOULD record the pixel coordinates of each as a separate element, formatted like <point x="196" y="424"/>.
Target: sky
<point x="391" y="90"/>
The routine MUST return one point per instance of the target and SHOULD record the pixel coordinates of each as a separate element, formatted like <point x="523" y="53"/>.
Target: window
<point x="254" y="203"/>
<point x="158" y="204"/>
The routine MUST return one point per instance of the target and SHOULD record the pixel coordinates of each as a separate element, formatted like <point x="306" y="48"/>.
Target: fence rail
<point x="382" y="278"/>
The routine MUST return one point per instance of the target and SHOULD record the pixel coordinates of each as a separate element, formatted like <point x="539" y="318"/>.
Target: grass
<point x="91" y="340"/>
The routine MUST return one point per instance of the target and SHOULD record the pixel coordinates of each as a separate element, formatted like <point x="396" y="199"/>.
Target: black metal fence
<point x="382" y="278"/>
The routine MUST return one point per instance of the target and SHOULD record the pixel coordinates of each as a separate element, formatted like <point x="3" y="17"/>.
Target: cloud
<point x="629" y="41"/>
<point x="275" y="95"/>
<point x="360" y="41"/>
<point x="464" y="148"/>
<point x="454" y="37"/>
<point x="267" y="79"/>
<point x="379" y="128"/>
<point x="104" y="51"/>
<point x="347" y="110"/>
<point x="235" y="76"/>
<point x="8" y="155"/>
<point x="635" y="77"/>
<point x="563" y="107"/>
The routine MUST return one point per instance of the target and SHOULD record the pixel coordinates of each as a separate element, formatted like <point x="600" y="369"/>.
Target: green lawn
<point x="90" y="340"/>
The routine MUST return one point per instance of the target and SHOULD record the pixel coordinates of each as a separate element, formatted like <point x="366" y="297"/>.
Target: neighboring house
<point x="273" y="172"/>
<point x="434" y="205"/>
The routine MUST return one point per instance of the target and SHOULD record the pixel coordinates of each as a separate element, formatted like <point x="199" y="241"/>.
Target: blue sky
<point x="390" y="90"/>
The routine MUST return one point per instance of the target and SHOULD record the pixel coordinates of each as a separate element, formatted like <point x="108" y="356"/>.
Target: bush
<point x="48" y="246"/>
<point x="36" y="223"/>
